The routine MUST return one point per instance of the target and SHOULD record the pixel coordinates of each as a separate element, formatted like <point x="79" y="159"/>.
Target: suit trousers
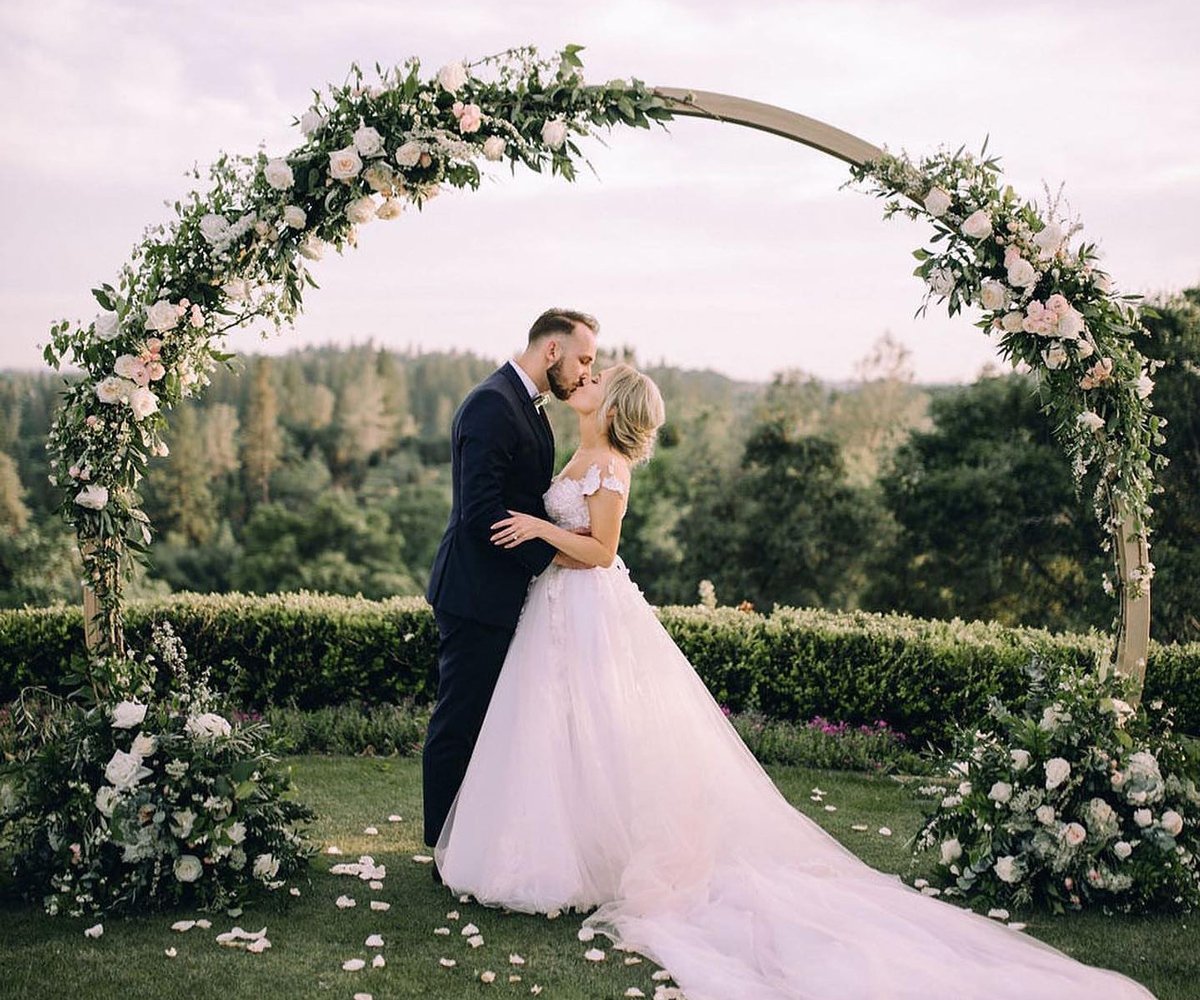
<point x="470" y="655"/>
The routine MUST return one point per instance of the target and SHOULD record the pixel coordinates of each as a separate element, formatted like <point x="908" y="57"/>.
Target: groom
<point x="502" y="460"/>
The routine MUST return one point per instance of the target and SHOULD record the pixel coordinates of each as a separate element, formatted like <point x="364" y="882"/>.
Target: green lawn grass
<point x="43" y="957"/>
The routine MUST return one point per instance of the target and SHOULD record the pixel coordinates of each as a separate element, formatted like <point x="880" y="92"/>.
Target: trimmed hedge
<point x="311" y="651"/>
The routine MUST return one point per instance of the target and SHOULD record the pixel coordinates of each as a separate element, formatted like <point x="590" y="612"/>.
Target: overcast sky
<point x="707" y="245"/>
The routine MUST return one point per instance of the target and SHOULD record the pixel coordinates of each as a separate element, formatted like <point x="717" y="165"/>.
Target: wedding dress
<point x="606" y="776"/>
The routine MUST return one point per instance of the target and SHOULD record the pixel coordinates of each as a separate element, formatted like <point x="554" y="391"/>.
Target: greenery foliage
<point x="311" y="651"/>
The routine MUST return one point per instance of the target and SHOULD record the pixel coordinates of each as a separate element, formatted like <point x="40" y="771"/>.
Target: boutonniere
<point x="540" y="401"/>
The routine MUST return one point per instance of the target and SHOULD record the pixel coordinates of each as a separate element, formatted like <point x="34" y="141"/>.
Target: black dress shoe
<point x="437" y="875"/>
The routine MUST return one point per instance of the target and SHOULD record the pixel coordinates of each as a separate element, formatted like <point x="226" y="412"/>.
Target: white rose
<point x="951" y="850"/>
<point x="1049" y="240"/>
<point x="238" y="289"/>
<point x="937" y="201"/>
<point x="236" y="832"/>
<point x="311" y="121"/>
<point x="941" y="281"/>
<point x="1006" y="869"/>
<point x="207" y="726"/>
<point x="344" y="164"/>
<point x="452" y="76"/>
<point x="162" y="316"/>
<point x="295" y="217"/>
<point x="1045" y="815"/>
<point x="106" y="798"/>
<point x="1056" y="357"/>
<point x="182" y="822"/>
<point x="554" y="133"/>
<point x="127" y="714"/>
<point x="1172" y="822"/>
<point x="1085" y="349"/>
<point x="1001" y="792"/>
<point x="107" y="326"/>
<point x="964" y="788"/>
<point x="993" y="295"/>
<point x="214" y="228"/>
<point x="1021" y="273"/>
<point x="1143" y="817"/>
<point x="92" y="497"/>
<point x="977" y="225"/>
<point x="1020" y="759"/>
<point x="312" y="248"/>
<point x="1122" y="849"/>
<point x="493" y="148"/>
<point x="1092" y="421"/>
<point x="266" y="866"/>
<point x="112" y="389"/>
<point x="361" y="210"/>
<point x="409" y="155"/>
<point x="390" y="209"/>
<point x="142" y="402"/>
<point x="1144" y="386"/>
<point x="279" y="175"/>
<point x="144" y="745"/>
<point x="1074" y="834"/>
<point x="1013" y="321"/>
<point x="188" y="868"/>
<point x="124" y="770"/>
<point x="367" y="141"/>
<point x="1070" y="325"/>
<point x="1057" y="771"/>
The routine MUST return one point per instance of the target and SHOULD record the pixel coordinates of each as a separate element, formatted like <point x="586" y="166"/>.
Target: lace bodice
<point x="566" y="499"/>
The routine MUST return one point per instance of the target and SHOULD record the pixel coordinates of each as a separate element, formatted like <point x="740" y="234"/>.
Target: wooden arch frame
<point x="1133" y="629"/>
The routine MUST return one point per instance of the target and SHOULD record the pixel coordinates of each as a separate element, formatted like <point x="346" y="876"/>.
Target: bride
<point x="606" y="778"/>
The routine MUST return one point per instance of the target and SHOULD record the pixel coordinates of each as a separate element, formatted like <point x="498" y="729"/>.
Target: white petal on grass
<point x="920" y="883"/>
<point x="345" y="902"/>
<point x="363" y="996"/>
<point x="170" y="953"/>
<point x="333" y="849"/>
<point x="633" y="991"/>
<point x="633" y="960"/>
<point x="374" y="941"/>
<point x="378" y="962"/>
<point x="831" y="809"/>
<point x="452" y="915"/>
<point x="514" y="979"/>
<point x="487" y="976"/>
<point x="535" y="989"/>
<point x="469" y="930"/>
<point x="294" y="891"/>
<point x="817" y="791"/>
<point x="394" y="818"/>
<point x="235" y="912"/>
<point x="204" y="925"/>
<point x="661" y="976"/>
<point x="816" y="798"/>
<point x="554" y="914"/>
<point x="884" y="832"/>
<point x="371" y="831"/>
<point x="375" y="884"/>
<point x="353" y="964"/>
<point x="183" y="925"/>
<point x="379" y="904"/>
<point x="464" y="898"/>
<point x="515" y="959"/>
<point x="998" y="913"/>
<point x="422" y="859"/>
<point x="931" y="890"/>
<point x="447" y="963"/>
<point x="594" y="955"/>
<point x="441" y="930"/>
<point x="475" y="940"/>
<point x="259" y="946"/>
<point x="586" y="934"/>
<point x="860" y="827"/>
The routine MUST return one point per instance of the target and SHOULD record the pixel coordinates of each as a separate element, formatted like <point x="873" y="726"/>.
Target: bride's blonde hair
<point x="632" y="412"/>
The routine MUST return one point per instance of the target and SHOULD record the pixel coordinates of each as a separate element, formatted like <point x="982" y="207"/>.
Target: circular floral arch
<point x="238" y="251"/>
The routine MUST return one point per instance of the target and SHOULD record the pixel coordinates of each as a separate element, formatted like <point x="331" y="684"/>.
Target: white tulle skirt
<point x="607" y="777"/>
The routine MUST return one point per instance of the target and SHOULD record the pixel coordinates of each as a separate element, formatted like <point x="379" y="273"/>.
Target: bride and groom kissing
<point x="575" y="760"/>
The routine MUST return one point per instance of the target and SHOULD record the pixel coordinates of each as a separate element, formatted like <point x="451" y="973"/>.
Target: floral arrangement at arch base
<point x="1055" y="312"/>
<point x="121" y="803"/>
<point x="1079" y="800"/>
<point x="240" y="251"/>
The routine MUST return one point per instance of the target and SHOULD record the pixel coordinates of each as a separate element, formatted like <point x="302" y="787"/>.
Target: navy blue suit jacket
<point x="502" y="459"/>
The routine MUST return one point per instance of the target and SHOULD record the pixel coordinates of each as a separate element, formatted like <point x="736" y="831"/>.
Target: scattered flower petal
<point x="487" y="976"/>
<point x="294" y="891"/>
<point x="447" y="963"/>
<point x="931" y="890"/>
<point x="94" y="931"/>
<point x="586" y="933"/>
<point x="884" y="832"/>
<point x="441" y="930"/>
<point x="921" y="883"/>
<point x="515" y="959"/>
<point x="259" y="946"/>
<point x="333" y="849"/>
<point x="1016" y="925"/>
<point x="998" y="913"/>
<point x="394" y="818"/>
<point x="860" y="827"/>
<point x="183" y="925"/>
<point x="469" y="930"/>
<point x="452" y="915"/>
<point x="379" y="904"/>
<point x="375" y="884"/>
<point x="661" y="975"/>
<point x="204" y="925"/>
<point x="345" y="902"/>
<point x="514" y="979"/>
<point x="378" y="962"/>
<point x="363" y="996"/>
<point x="633" y="960"/>
<point x="831" y="809"/>
<point x="374" y="941"/>
<point x="633" y="991"/>
<point x="554" y="914"/>
<point x="235" y="912"/>
<point x="170" y="953"/>
<point x="371" y="831"/>
<point x="594" y="955"/>
<point x="535" y="989"/>
<point x="353" y="964"/>
<point x="422" y="859"/>
<point x="475" y="940"/>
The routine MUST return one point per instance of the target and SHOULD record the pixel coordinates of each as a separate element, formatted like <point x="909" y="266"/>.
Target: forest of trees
<point x="328" y="470"/>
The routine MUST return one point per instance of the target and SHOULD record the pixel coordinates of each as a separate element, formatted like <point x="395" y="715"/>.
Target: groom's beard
<point x="561" y="388"/>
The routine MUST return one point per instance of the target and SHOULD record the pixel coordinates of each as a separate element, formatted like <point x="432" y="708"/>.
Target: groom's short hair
<point x="560" y="322"/>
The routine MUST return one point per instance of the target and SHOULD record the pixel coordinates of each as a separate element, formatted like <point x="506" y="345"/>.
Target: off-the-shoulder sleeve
<point x="592" y="480"/>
